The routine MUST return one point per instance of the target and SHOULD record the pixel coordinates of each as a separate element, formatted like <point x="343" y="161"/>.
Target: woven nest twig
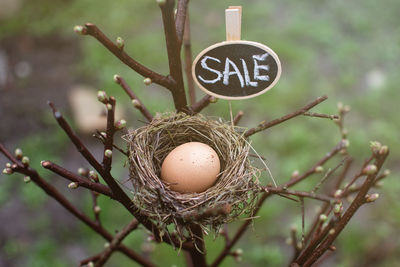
<point x="236" y="186"/>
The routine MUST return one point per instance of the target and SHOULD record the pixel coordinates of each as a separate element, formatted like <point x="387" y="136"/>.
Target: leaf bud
<point x="73" y="185"/>
<point x="117" y="78"/>
<point x="93" y="175"/>
<point x="120" y="43"/>
<point x="136" y="103"/>
<point x="7" y="171"/>
<point x="371" y="198"/>
<point x="102" y="97"/>
<point x="18" y="153"/>
<point x="120" y="124"/>
<point x="323" y="217"/>
<point x="25" y="160"/>
<point x="213" y="99"/>
<point x="79" y="29"/>
<point x="319" y="169"/>
<point x="147" y="81"/>
<point x="108" y="153"/>
<point x="370" y="169"/>
<point x="82" y="172"/>
<point x="97" y="209"/>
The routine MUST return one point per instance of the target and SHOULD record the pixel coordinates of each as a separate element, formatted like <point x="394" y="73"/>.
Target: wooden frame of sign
<point x="236" y="70"/>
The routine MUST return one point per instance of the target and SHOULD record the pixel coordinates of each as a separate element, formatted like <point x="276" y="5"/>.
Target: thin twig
<point x="314" y="243"/>
<point x="312" y="170"/>
<point x="302" y="221"/>
<point x="142" y="108"/>
<point x="225" y="233"/>
<point x="99" y="136"/>
<point x="181" y="19"/>
<point x="188" y="60"/>
<point x="174" y="58"/>
<point x="317" y="223"/>
<point x="109" y="138"/>
<point x="202" y="103"/>
<point x="357" y="175"/>
<point x="301" y="194"/>
<point x="95" y="195"/>
<point x="295" y="246"/>
<point x="328" y="174"/>
<point x="75" y="139"/>
<point x="266" y="125"/>
<point x="96" y="187"/>
<point x="115" y="242"/>
<point x="319" y="115"/>
<point x="237" y="118"/>
<point x="91" y="259"/>
<point x="344" y="172"/>
<point x="94" y="31"/>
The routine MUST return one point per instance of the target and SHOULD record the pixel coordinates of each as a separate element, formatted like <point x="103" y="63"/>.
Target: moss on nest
<point x="236" y="186"/>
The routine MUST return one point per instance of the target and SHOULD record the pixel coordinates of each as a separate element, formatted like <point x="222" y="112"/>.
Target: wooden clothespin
<point x="233" y="21"/>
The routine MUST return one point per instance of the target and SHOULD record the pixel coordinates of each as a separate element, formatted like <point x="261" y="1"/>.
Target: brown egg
<point x="190" y="167"/>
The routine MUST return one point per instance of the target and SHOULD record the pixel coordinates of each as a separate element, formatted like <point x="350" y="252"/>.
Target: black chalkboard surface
<point x="236" y="69"/>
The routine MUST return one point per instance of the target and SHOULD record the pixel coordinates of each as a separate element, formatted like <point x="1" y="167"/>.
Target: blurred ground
<point x="348" y="50"/>
<point x="36" y="69"/>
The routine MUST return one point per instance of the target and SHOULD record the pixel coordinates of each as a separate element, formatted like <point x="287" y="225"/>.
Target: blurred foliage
<point x="348" y="50"/>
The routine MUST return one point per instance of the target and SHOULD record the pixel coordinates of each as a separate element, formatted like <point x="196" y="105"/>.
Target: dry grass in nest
<point x="235" y="188"/>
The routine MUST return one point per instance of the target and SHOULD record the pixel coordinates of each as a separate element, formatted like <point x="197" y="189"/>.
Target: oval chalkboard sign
<point x="236" y="69"/>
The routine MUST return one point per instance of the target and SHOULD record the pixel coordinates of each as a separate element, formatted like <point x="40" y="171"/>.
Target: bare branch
<point x="9" y="155"/>
<point x="202" y="103"/>
<point x="119" y="194"/>
<point x="355" y="205"/>
<point x="109" y="138"/>
<point x="327" y="175"/>
<point x="97" y="187"/>
<point x="314" y="243"/>
<point x="142" y="108"/>
<point x="317" y="223"/>
<point x="357" y="175"/>
<point x="55" y="194"/>
<point x="100" y="137"/>
<point x="174" y="59"/>
<point x="302" y="221"/>
<point x="266" y="125"/>
<point x="188" y="60"/>
<point x="237" y="118"/>
<point x="294" y="240"/>
<point x="91" y="259"/>
<point x="344" y="172"/>
<point x="242" y="229"/>
<point x="312" y="170"/>
<point x="180" y="20"/>
<point x="106" y="254"/>
<point x="75" y="139"/>
<point x="302" y="194"/>
<point x="94" y="31"/>
<point x="319" y="115"/>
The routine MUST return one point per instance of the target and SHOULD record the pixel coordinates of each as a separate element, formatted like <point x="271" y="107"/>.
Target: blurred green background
<point x="348" y="50"/>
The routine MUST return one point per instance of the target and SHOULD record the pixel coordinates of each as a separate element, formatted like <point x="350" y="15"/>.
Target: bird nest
<point x="233" y="194"/>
